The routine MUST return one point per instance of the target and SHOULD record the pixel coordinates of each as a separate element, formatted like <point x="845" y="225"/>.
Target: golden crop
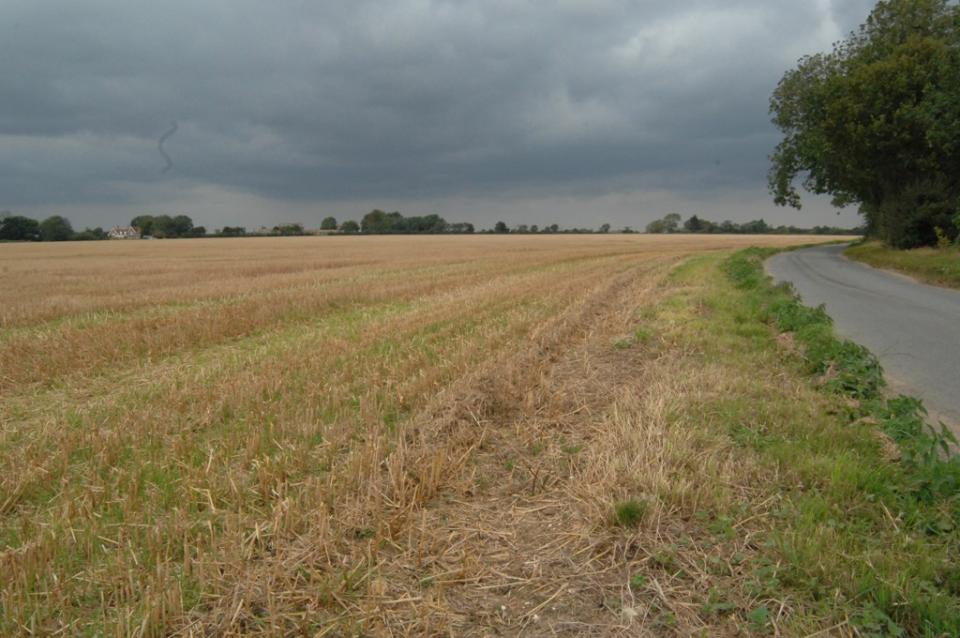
<point x="330" y="435"/>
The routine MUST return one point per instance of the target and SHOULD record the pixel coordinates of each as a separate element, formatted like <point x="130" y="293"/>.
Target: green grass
<point x="856" y="536"/>
<point x="932" y="265"/>
<point x="629" y="513"/>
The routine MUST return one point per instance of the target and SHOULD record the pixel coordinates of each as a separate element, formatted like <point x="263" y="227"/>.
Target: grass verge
<point x="871" y="529"/>
<point x="939" y="266"/>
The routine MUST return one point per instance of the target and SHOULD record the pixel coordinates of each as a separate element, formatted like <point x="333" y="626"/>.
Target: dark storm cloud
<point x="400" y="100"/>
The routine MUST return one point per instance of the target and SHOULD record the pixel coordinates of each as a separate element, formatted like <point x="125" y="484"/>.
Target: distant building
<point x="124" y="232"/>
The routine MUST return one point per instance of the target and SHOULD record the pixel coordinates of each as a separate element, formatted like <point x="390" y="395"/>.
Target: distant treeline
<point x="167" y="227"/>
<point x="53" y="228"/>
<point x="672" y="224"/>
<point x="376" y="222"/>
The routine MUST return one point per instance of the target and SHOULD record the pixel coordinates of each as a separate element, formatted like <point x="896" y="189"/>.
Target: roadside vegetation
<point x="540" y="435"/>
<point x="875" y="517"/>
<point x="939" y="266"/>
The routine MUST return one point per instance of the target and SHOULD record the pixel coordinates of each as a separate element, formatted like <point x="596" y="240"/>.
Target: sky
<point x="576" y="112"/>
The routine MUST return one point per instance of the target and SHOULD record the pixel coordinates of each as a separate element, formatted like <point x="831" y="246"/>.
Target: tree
<point x="755" y="227"/>
<point x="349" y="227"/>
<point x="328" y="223"/>
<point x="500" y="227"/>
<point x="288" y="230"/>
<point x="182" y="226"/>
<point x="668" y="224"/>
<point x="374" y="221"/>
<point x="163" y="227"/>
<point x="876" y="122"/>
<point x="671" y="222"/>
<point x="233" y="231"/>
<point x="380" y="223"/>
<point x="604" y="228"/>
<point x="693" y="225"/>
<point x="19" y="228"/>
<point x="56" y="228"/>
<point x="144" y="223"/>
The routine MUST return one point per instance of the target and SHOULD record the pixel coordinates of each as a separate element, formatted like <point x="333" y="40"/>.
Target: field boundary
<point x="920" y="490"/>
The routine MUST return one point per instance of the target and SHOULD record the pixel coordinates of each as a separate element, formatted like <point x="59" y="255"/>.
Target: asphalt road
<point x="913" y="328"/>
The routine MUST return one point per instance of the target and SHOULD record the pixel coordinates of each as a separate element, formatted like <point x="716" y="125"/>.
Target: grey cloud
<point x="417" y="101"/>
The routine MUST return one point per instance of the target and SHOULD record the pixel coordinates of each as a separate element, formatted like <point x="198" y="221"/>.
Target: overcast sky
<point x="576" y="112"/>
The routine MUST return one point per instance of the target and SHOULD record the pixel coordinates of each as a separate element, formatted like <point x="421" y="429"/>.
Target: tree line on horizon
<point x="673" y="223"/>
<point x="376" y="222"/>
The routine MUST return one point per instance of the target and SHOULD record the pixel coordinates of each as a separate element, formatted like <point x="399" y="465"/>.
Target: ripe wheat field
<point x="363" y="436"/>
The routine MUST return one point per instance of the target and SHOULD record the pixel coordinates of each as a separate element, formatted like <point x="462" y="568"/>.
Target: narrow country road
<point x="913" y="328"/>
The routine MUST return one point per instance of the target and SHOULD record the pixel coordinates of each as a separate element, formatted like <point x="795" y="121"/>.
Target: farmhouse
<point x="124" y="232"/>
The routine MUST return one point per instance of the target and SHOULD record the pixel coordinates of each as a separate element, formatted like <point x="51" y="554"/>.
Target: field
<point x="425" y="436"/>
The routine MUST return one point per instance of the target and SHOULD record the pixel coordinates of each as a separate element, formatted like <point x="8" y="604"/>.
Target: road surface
<point x="913" y="328"/>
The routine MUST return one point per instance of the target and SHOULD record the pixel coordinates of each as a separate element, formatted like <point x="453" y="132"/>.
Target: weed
<point x="630" y="513"/>
<point x="643" y="335"/>
<point x="874" y="623"/>
<point x="717" y="604"/>
<point x="723" y="526"/>
<point x="943" y="239"/>
<point x="571" y="448"/>
<point x="638" y="581"/>
<point x="759" y="618"/>
<point x="666" y="558"/>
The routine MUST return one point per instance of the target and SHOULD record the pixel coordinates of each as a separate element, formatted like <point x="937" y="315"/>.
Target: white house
<point x="124" y="232"/>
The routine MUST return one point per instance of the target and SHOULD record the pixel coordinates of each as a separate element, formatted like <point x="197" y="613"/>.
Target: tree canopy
<point x="668" y="224"/>
<point x="165" y="226"/>
<point x="378" y="222"/>
<point x="56" y="228"/>
<point x="699" y="225"/>
<point x="876" y="122"/>
<point x="19" y="228"/>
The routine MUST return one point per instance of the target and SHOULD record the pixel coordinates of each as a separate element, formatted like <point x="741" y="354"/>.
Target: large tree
<point x="56" y="228"/>
<point x="19" y="228"/>
<point x="143" y="223"/>
<point x="876" y="122"/>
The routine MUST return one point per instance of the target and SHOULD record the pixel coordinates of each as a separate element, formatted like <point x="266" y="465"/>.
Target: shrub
<point x="943" y="240"/>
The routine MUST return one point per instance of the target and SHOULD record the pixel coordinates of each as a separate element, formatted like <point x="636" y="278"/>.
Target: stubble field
<point x="388" y="436"/>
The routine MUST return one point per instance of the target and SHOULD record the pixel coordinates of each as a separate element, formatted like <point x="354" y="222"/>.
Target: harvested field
<point x="384" y="436"/>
